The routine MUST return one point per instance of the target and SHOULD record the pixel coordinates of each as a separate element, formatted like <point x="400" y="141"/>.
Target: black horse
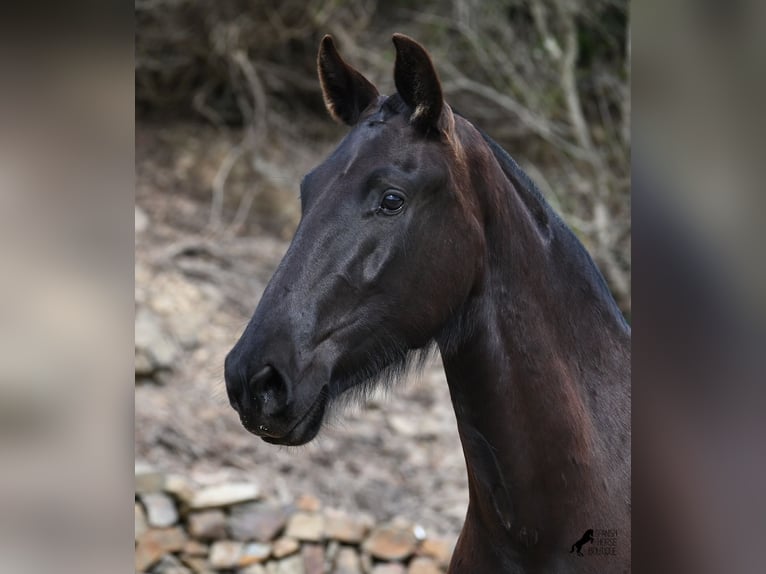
<point x="418" y="230"/>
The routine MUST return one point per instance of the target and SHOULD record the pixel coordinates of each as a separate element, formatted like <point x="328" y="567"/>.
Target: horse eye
<point x="392" y="203"/>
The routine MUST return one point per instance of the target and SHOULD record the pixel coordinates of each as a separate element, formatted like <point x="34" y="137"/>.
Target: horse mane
<point x="521" y="181"/>
<point x="547" y="218"/>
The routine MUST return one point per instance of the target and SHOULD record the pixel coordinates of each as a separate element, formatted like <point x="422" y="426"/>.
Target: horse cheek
<point x="374" y="266"/>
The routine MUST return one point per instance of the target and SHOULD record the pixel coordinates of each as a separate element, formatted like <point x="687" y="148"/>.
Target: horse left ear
<point x="417" y="82"/>
<point x="346" y="92"/>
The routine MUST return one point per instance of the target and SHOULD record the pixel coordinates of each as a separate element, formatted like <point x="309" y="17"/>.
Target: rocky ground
<point x="396" y="457"/>
<point x="182" y="528"/>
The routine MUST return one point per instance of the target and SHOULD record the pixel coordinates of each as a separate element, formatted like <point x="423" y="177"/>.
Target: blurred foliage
<point x="549" y="79"/>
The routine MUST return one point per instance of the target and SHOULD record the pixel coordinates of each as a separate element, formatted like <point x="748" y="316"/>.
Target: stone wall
<point x="183" y="528"/>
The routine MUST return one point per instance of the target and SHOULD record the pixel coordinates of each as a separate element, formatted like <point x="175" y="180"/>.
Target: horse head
<point x="388" y="248"/>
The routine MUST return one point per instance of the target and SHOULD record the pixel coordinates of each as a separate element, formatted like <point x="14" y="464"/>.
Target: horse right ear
<point x="346" y="92"/>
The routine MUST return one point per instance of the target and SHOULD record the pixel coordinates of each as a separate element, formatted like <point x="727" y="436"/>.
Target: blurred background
<point x="229" y="117"/>
<point x="227" y="94"/>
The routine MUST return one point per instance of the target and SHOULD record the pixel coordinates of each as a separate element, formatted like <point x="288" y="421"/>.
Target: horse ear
<point x="346" y="92"/>
<point x="417" y="82"/>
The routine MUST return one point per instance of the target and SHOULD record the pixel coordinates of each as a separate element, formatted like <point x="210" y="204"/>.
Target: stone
<point x="437" y="548"/>
<point x="313" y="559"/>
<point x="366" y="562"/>
<point x="159" y="377"/>
<point x="284" y="547"/>
<point x="169" y="564"/>
<point x="391" y="542"/>
<point x="392" y="568"/>
<point x="186" y="330"/>
<point x="308" y="503"/>
<point x="225" y="554"/>
<point x="254" y="553"/>
<point x="253" y="569"/>
<point x="305" y="526"/>
<point x="403" y="425"/>
<point x="347" y="562"/>
<point x="155" y="543"/>
<point x="346" y="528"/>
<point x="141" y="220"/>
<point x="331" y="551"/>
<point x="194" y="548"/>
<point x="153" y="342"/>
<point x="198" y="565"/>
<point x="147" y="479"/>
<point x="142" y="365"/>
<point x="403" y="523"/>
<point x="423" y="428"/>
<point x="255" y="521"/>
<point x="423" y="565"/>
<point x="179" y="487"/>
<point x="207" y="524"/>
<point x="224" y="495"/>
<point x="160" y="509"/>
<point x="139" y="521"/>
<point x="291" y="565"/>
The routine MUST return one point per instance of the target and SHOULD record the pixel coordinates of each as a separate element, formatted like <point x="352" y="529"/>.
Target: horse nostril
<point x="270" y="390"/>
<point x="261" y="376"/>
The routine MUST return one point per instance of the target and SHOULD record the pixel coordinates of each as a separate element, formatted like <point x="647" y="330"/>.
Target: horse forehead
<point x="369" y="147"/>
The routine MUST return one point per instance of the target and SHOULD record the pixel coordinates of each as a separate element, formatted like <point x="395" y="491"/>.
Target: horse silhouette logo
<point x="587" y="537"/>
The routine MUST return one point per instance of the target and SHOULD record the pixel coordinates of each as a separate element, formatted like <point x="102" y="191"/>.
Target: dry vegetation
<point x="549" y="79"/>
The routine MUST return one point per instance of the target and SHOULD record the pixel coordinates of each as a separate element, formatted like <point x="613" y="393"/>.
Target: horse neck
<point x="536" y="366"/>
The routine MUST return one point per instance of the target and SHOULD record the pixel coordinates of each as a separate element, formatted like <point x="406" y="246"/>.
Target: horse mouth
<point x="307" y="427"/>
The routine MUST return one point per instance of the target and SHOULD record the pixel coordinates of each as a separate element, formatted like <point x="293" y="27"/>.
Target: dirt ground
<point x="397" y="454"/>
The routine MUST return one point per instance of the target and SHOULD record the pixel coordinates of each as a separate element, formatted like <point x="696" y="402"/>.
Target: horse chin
<point x="307" y="427"/>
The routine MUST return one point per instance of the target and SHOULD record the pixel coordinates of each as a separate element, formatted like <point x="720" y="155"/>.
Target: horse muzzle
<point x="269" y="407"/>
